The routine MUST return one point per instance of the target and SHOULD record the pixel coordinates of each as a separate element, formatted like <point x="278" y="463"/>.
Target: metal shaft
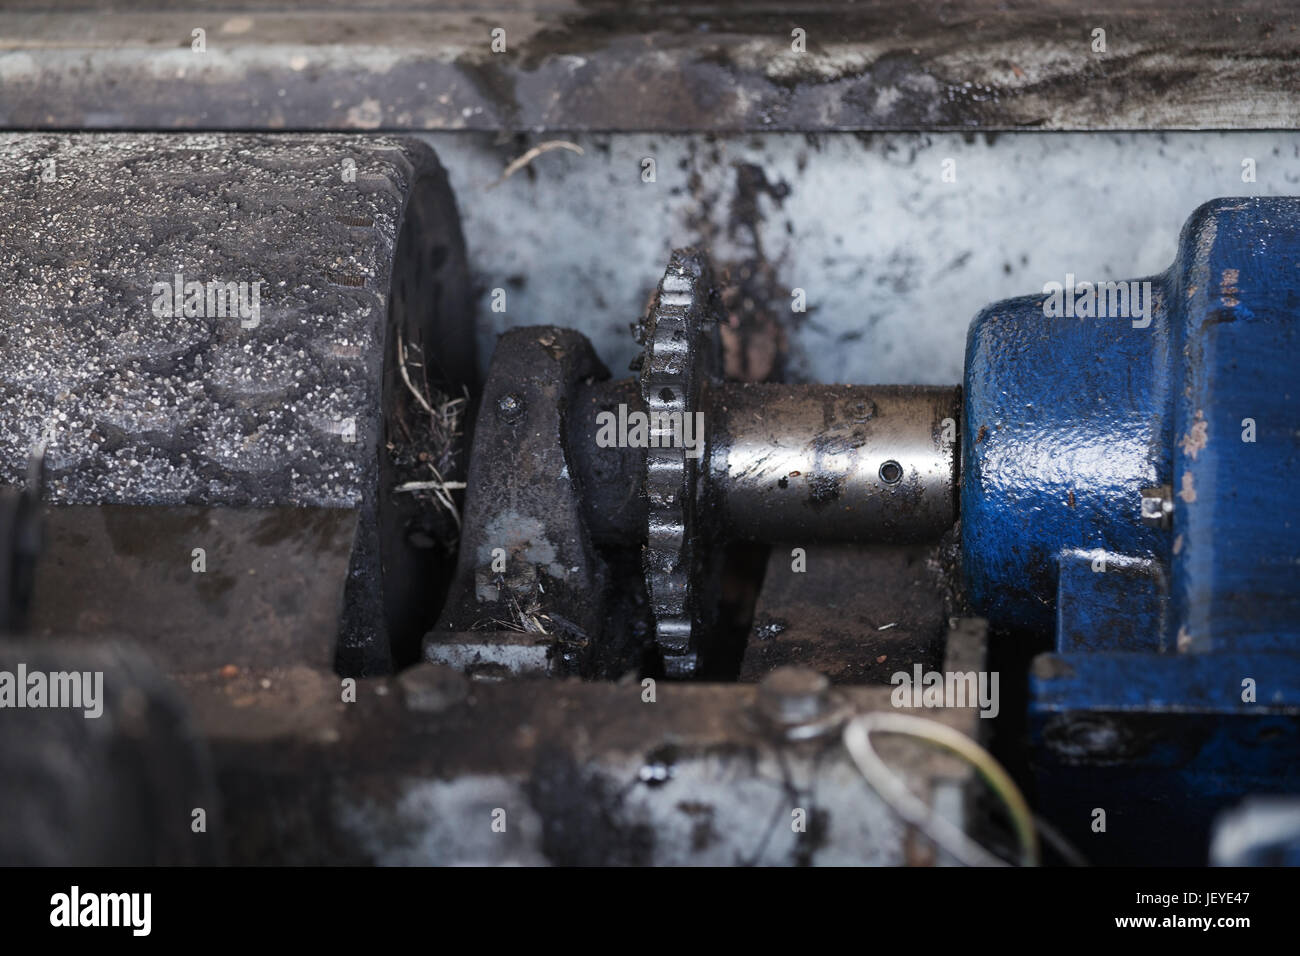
<point x="835" y="462"/>
<point x="792" y="462"/>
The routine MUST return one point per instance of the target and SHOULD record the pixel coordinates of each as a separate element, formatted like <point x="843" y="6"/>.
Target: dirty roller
<point x="215" y="320"/>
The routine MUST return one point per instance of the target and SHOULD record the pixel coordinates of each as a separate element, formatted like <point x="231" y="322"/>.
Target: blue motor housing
<point x="1174" y="687"/>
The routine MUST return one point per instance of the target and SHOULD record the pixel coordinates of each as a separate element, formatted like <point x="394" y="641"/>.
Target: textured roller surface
<point x="150" y="409"/>
<point x="151" y="398"/>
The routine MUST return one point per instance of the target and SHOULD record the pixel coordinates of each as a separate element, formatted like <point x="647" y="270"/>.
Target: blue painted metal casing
<point x="1066" y="421"/>
<point x="1174" y="687"/>
<point x="1236" y="448"/>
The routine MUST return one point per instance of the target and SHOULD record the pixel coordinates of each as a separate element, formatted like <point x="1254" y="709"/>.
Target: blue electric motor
<point x="1129" y="455"/>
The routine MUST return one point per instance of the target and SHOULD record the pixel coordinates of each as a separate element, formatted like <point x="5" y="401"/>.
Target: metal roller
<point x="214" y="321"/>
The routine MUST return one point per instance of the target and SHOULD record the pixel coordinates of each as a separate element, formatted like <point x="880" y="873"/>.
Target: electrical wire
<point x="913" y="810"/>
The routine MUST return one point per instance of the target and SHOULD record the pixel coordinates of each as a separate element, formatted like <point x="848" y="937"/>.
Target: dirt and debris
<point x="427" y="451"/>
<point x="757" y="305"/>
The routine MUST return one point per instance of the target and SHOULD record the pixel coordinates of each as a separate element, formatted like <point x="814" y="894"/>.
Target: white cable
<point x="913" y="810"/>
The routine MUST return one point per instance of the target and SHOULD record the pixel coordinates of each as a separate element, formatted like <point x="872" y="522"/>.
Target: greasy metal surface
<point x="1236" y="429"/>
<point x="681" y="354"/>
<point x="578" y="64"/>
<point x="790" y="461"/>
<point x="526" y="560"/>
<point x="612" y="479"/>
<point x="1120" y="608"/>
<point x="269" y="592"/>
<point x="873" y="464"/>
<point x="1065" y="421"/>
<point x="857" y="614"/>
<point x="417" y="770"/>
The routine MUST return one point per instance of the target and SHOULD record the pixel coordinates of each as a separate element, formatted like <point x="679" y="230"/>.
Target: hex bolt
<point x="1158" y="506"/>
<point x="510" y="407"/>
<point x="791" y="696"/>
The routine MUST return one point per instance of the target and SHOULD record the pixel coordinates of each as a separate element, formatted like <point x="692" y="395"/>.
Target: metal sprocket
<point x="679" y="333"/>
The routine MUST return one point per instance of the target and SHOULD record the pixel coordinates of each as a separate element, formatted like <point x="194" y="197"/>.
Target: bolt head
<point x="510" y="407"/>
<point x="790" y="696"/>
<point x="1157" y="506"/>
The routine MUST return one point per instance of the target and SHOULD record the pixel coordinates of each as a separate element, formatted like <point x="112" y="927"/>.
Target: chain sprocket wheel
<point x="679" y="336"/>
